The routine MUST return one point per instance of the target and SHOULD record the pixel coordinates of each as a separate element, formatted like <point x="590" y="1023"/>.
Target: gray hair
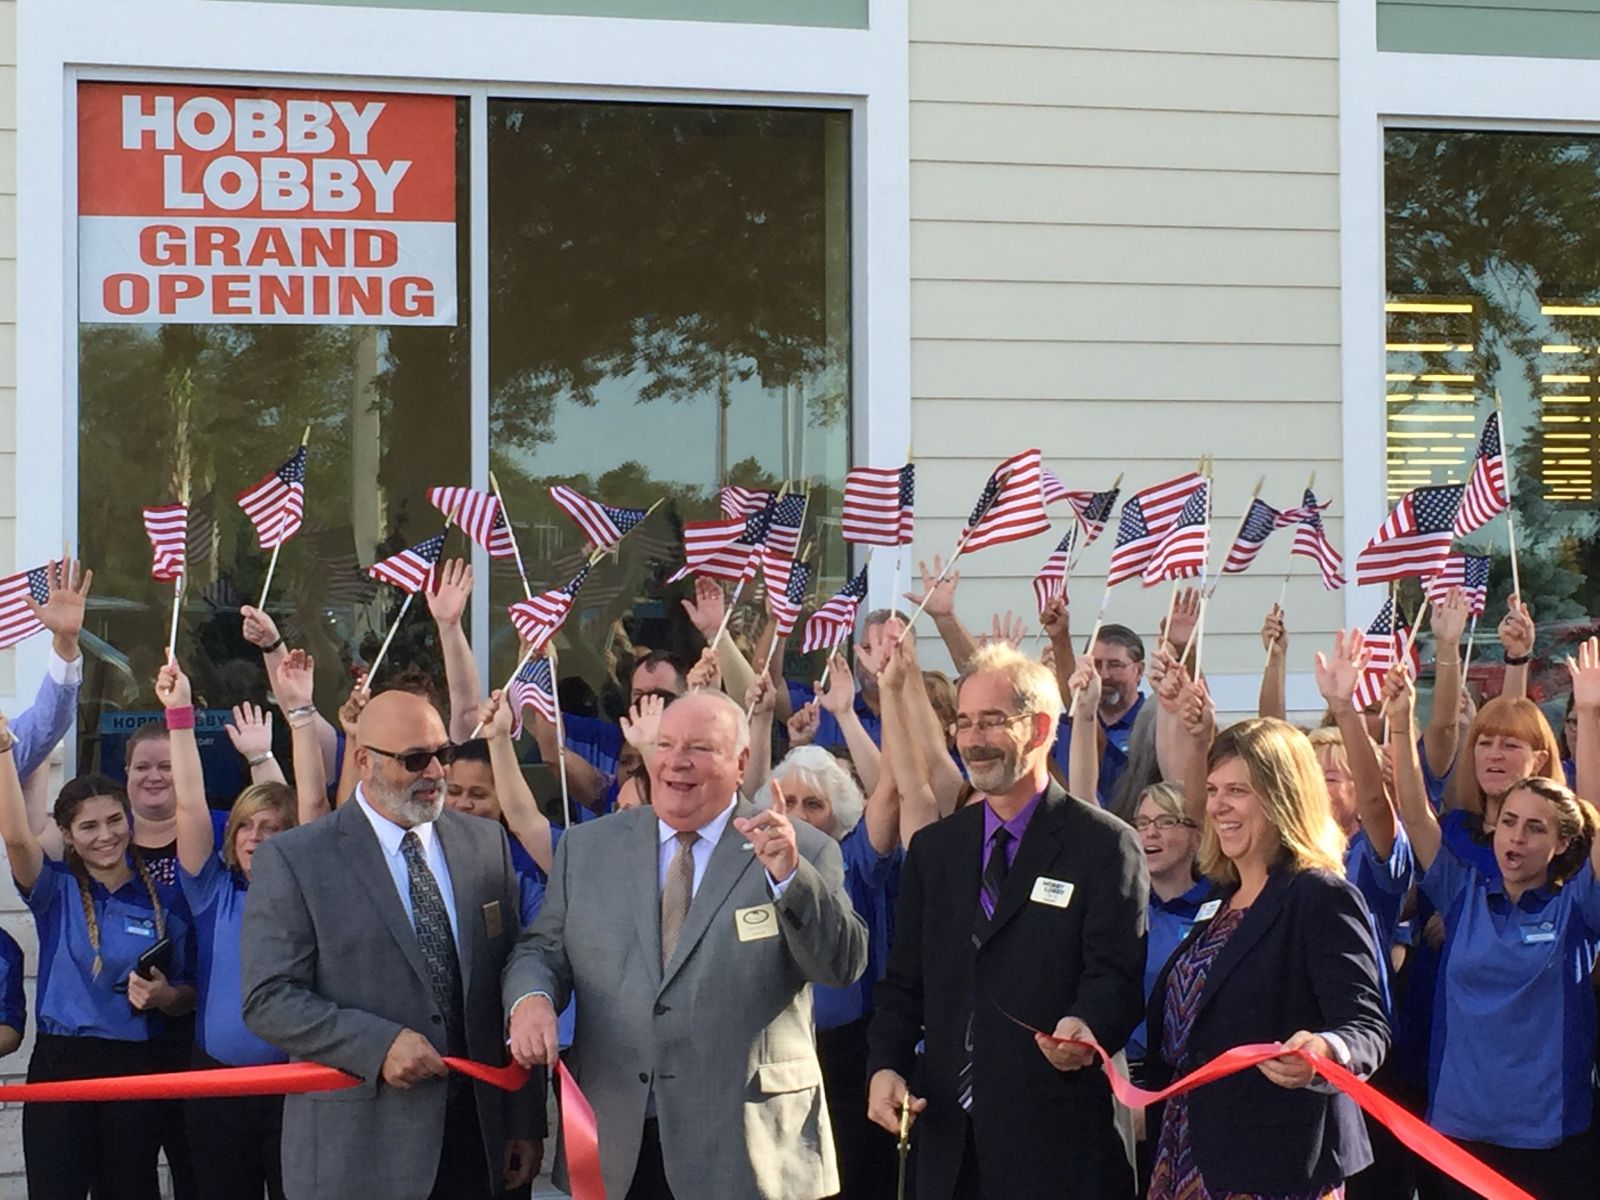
<point x="1033" y="685"/>
<point x="741" y="725"/>
<point x="826" y="776"/>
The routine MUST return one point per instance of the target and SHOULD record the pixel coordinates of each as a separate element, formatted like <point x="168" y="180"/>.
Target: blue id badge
<point x="139" y="927"/>
<point x="1534" y="935"/>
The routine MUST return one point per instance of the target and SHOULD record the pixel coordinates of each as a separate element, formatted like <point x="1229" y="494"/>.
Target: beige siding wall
<point x="1124" y="231"/>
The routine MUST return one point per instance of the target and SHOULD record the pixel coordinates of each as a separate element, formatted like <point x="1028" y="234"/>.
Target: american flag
<point x="743" y="501"/>
<point x="787" y="604"/>
<point x="410" y="570"/>
<point x="277" y="504"/>
<point x="343" y="580"/>
<point x="1486" y="496"/>
<point x="602" y="524"/>
<point x="538" y="619"/>
<point x="1415" y="540"/>
<point x="1146" y="517"/>
<point x="1470" y="573"/>
<point x="168" y="528"/>
<point x="1011" y="506"/>
<point x="1186" y="546"/>
<point x="531" y="685"/>
<point x="783" y="540"/>
<point x="830" y="623"/>
<point x="1051" y="581"/>
<point x="1093" y="510"/>
<point x="1051" y="487"/>
<point x="17" y="622"/>
<point x="1386" y="637"/>
<point x="729" y="549"/>
<point x="1311" y="541"/>
<point x="479" y="514"/>
<point x="1259" y="522"/>
<point x="878" y="505"/>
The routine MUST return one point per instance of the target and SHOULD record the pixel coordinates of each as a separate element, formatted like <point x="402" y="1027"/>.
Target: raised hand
<point x="840" y="694"/>
<point x="259" y="629"/>
<point x="1168" y="678"/>
<point x="1585" y="672"/>
<point x="1338" y="677"/>
<point x="1055" y="618"/>
<point x="706" y="607"/>
<point x="802" y="724"/>
<point x="251" y="731"/>
<point x="452" y="589"/>
<point x="495" y="717"/>
<point x="1198" y="713"/>
<point x="1185" y="616"/>
<point x="1274" y="636"/>
<point x="940" y="595"/>
<point x="1085" y="686"/>
<point x="642" y="722"/>
<point x="1007" y="630"/>
<point x="875" y="657"/>
<point x="760" y="698"/>
<point x="172" y="686"/>
<point x="1450" y="615"/>
<point x="1517" y="630"/>
<point x="1399" y="701"/>
<point x="62" y="611"/>
<point x="350" y="710"/>
<point x="294" y="680"/>
<point x="705" y="674"/>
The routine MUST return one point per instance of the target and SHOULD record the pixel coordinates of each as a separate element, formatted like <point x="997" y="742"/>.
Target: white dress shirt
<point x="389" y="837"/>
<point x="710" y="834"/>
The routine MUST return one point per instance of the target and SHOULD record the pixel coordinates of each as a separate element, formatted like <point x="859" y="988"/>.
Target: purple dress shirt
<point x="1016" y="827"/>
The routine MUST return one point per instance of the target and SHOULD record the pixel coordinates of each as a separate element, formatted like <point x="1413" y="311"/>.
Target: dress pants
<point x="650" y="1175"/>
<point x="235" y="1143"/>
<point x="461" y="1174"/>
<point x="866" y="1152"/>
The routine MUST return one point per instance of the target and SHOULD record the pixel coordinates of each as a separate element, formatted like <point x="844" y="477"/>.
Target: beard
<point x="418" y="804"/>
<point x="994" y="770"/>
<point x="1110" y="697"/>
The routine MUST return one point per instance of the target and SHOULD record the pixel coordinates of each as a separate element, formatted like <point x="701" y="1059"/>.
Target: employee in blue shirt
<point x="98" y="914"/>
<point x="234" y="1142"/>
<point x="44" y="723"/>
<point x="13" y="1005"/>
<point x="1514" y="1026"/>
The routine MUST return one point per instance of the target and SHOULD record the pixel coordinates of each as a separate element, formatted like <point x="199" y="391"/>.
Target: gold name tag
<point x="491" y="919"/>
<point x="756" y="923"/>
<point x="1057" y="893"/>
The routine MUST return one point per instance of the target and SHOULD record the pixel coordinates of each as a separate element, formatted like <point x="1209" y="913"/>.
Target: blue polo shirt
<point x="872" y="880"/>
<point x="599" y="743"/>
<point x="1514" y="1023"/>
<point x="1170" y="922"/>
<point x="828" y="733"/>
<point x="1383" y="884"/>
<point x="13" y="1006"/>
<point x="1113" y="760"/>
<point x="72" y="1000"/>
<point x="216" y="898"/>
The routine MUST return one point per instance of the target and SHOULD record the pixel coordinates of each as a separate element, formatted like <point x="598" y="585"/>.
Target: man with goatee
<point x="1019" y="935"/>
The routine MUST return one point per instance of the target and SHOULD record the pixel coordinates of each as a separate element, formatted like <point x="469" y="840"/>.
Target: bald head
<point x="393" y="725"/>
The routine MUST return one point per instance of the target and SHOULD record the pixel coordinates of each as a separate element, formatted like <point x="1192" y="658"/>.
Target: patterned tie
<point x="995" y="870"/>
<point x="678" y="893"/>
<point x="435" y="940"/>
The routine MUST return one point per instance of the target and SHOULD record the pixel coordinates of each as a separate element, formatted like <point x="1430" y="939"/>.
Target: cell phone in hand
<point x="158" y="957"/>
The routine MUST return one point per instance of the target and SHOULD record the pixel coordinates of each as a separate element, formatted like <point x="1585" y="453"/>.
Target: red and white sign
<point x="201" y="205"/>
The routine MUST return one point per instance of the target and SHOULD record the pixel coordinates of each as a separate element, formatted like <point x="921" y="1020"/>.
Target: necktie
<point x="677" y="894"/>
<point x="434" y="938"/>
<point x="995" y="870"/>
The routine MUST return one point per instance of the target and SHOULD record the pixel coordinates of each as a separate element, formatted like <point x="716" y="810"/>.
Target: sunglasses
<point x="416" y="761"/>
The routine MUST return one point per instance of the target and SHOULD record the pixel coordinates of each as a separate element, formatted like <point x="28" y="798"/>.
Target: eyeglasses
<point x="1111" y="664"/>
<point x="1164" y="823"/>
<point x="416" y="761"/>
<point x="988" y="723"/>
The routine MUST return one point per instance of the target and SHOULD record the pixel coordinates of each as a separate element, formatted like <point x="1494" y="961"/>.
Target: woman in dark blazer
<point x="1280" y="953"/>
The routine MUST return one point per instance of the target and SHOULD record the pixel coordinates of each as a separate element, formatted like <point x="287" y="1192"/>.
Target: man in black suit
<point x="1026" y="906"/>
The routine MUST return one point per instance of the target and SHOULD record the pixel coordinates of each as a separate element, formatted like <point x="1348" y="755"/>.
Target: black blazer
<point x="1301" y="958"/>
<point x="1045" y="1133"/>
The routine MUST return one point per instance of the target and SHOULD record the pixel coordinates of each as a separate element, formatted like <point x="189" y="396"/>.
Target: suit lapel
<point x="464" y="880"/>
<point x="730" y="859"/>
<point x="365" y="857"/>
<point x="642" y="873"/>
<point x="1035" y="853"/>
<point x="1257" y="919"/>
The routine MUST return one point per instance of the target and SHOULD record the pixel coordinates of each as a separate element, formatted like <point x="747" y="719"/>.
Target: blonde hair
<point x="1288" y="782"/>
<point x="1504" y="716"/>
<point x="258" y="797"/>
<point x="1033" y="685"/>
<point x="1168" y="797"/>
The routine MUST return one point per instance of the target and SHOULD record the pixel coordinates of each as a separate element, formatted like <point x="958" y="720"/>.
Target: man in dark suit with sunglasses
<point x="373" y="942"/>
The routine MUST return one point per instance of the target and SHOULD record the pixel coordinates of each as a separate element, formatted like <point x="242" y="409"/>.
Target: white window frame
<point x="477" y="55"/>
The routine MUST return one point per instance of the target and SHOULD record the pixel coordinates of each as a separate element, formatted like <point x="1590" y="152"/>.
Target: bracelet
<point x="181" y="717"/>
<point x="277" y="645"/>
<point x="1518" y="660"/>
<point x="255" y="760"/>
<point x="11" y="742"/>
<point x="304" y="710"/>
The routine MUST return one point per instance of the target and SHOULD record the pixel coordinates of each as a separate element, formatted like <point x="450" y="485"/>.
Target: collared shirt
<point x="599" y="743"/>
<point x="1113" y="759"/>
<point x="216" y="898"/>
<point x="1514" y="1023"/>
<point x="1383" y="884"/>
<point x="1170" y="922"/>
<point x="47" y="719"/>
<point x="389" y="838"/>
<point x="873" y="881"/>
<point x="1016" y="827"/>
<point x="74" y="1000"/>
<point x="710" y="833"/>
<point x="828" y="732"/>
<point x="13" y="1005"/>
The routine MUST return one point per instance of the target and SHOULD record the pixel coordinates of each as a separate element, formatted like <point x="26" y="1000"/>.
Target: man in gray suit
<point x="374" y="941"/>
<point x="690" y="932"/>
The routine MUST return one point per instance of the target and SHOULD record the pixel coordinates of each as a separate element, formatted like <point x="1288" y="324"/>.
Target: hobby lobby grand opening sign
<point x="200" y="205"/>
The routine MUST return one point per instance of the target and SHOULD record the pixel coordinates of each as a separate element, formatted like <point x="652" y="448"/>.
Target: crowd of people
<point x="791" y="922"/>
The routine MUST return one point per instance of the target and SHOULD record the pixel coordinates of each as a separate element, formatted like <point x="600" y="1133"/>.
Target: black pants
<point x="173" y="1051"/>
<point x="1564" y="1172"/>
<point x="866" y="1152"/>
<point x="236" y="1143"/>
<point x="72" y="1147"/>
<point x="1391" y="1175"/>
<point x="650" y="1175"/>
<point x="461" y="1174"/>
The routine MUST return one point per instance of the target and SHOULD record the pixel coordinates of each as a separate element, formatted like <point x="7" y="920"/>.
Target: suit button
<point x="662" y="1010"/>
<point x="437" y="1019"/>
<point x="644" y="1077"/>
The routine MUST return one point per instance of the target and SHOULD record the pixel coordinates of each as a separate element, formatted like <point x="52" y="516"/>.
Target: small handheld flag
<point x="276" y="504"/>
<point x="167" y="526"/>
<point x="602" y="524"/>
<point x="480" y="516"/>
<point x="411" y="570"/>
<point x="537" y="620"/>
<point x="1415" y="540"/>
<point x="878" y="505"/>
<point x="831" y="623"/>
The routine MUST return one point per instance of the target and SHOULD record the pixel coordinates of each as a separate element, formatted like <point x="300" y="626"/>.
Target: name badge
<point x="1207" y="910"/>
<point x="1057" y="893"/>
<point x="492" y="924"/>
<point x="754" y="924"/>
<point x="1533" y="935"/>
<point x="138" y="927"/>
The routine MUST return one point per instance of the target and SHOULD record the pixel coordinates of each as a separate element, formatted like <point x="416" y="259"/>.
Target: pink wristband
<point x="181" y="717"/>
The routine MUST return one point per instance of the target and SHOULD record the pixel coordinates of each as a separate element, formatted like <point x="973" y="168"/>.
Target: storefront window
<point x="1493" y="261"/>
<point x="669" y="312"/>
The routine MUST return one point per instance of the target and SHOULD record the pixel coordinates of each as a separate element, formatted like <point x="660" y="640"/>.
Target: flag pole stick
<point x="961" y="546"/>
<point x="515" y="671"/>
<point x="727" y="612"/>
<point x="394" y="625"/>
<point x="1511" y="524"/>
<point x="1094" y="636"/>
<point x="561" y="732"/>
<point x="283" y="523"/>
<point x="516" y="550"/>
<point x="177" y="584"/>
<point x="1416" y="628"/>
<point x="839" y="641"/>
